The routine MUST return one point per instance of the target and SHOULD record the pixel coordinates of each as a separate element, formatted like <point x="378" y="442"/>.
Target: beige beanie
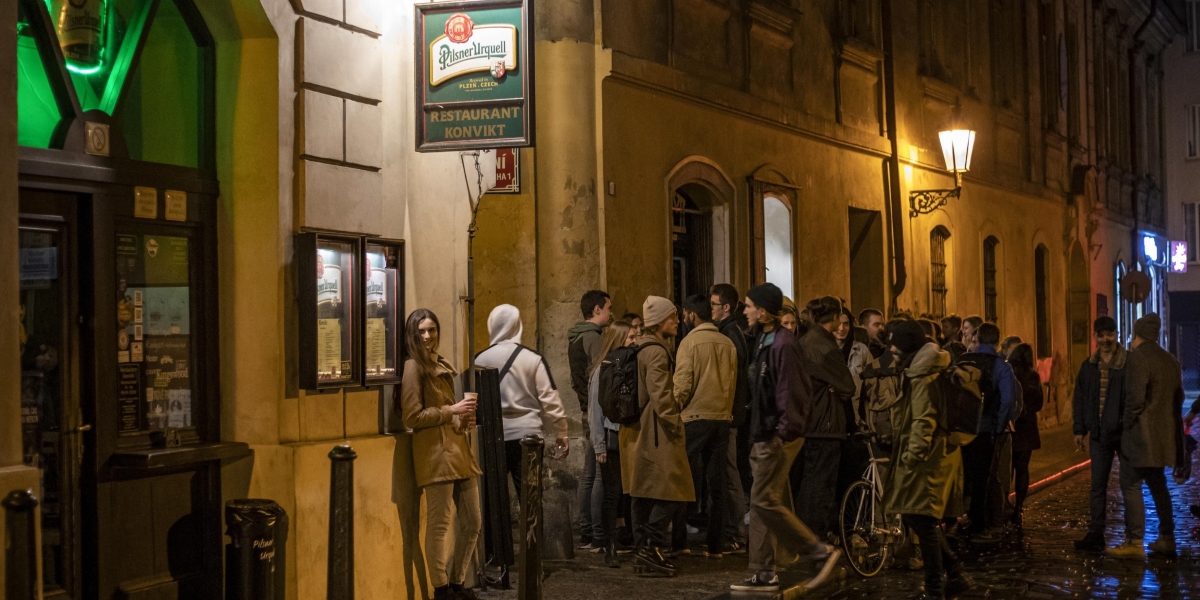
<point x="655" y="310"/>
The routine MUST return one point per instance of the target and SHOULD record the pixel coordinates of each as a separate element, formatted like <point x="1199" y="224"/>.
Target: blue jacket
<point x="1005" y="382"/>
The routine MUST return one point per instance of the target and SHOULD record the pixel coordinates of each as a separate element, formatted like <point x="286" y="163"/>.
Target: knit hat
<point x="767" y="296"/>
<point x="655" y="310"/>
<point x="908" y="336"/>
<point x="1148" y="327"/>
<point x="504" y="324"/>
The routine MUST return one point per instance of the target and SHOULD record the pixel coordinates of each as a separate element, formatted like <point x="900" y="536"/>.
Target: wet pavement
<point x="1039" y="562"/>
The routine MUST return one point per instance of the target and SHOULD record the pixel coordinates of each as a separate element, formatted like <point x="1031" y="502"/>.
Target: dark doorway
<point x="691" y="244"/>
<point x="867" y="272"/>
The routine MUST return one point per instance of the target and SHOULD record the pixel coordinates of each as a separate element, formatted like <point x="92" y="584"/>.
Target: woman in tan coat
<point x="443" y="460"/>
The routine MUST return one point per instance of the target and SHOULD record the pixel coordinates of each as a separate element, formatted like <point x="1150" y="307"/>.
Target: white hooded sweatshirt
<point x="529" y="399"/>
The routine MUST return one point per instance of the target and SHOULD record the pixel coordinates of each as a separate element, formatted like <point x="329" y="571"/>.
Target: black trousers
<point x="1020" y="462"/>
<point x="651" y="520"/>
<point x="977" y="468"/>
<point x="708" y="456"/>
<point x="512" y="461"/>
<point x="1102" y="454"/>
<point x="939" y="558"/>
<point x="816" y="497"/>
<point x="610" y="474"/>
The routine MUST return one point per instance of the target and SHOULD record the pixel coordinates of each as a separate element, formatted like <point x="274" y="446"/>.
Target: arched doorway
<point x="700" y="196"/>
<point x="1079" y="313"/>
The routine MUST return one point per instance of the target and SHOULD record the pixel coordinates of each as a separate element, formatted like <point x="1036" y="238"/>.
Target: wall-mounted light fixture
<point x="957" y="146"/>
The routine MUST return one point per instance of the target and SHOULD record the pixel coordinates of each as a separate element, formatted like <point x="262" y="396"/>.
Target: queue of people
<point x="749" y="421"/>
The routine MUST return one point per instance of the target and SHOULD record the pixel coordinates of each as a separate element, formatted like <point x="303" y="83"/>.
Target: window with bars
<point x="990" y="312"/>
<point x="937" y="270"/>
<point x="1193" y="25"/>
<point x="1190" y="229"/>
<point x="1041" y="259"/>
<point x="1193" y="131"/>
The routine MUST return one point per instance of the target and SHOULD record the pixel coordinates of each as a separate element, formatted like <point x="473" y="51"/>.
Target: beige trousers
<point x="441" y="499"/>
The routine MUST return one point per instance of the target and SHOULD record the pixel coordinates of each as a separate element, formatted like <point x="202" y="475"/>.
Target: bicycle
<point x="869" y="536"/>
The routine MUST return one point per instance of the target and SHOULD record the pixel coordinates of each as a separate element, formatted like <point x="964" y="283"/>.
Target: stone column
<point x="568" y="228"/>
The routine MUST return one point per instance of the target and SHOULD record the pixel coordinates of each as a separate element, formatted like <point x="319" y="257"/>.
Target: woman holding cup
<point x="443" y="459"/>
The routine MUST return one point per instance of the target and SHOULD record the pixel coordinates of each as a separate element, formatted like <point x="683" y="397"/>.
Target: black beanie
<point x="908" y="336"/>
<point x="767" y="296"/>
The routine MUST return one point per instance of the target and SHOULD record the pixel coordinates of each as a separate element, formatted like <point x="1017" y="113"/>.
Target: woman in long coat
<point x="1025" y="437"/>
<point x="443" y="460"/>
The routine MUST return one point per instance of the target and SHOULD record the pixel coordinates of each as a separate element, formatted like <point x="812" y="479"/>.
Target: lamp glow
<point x="957" y="148"/>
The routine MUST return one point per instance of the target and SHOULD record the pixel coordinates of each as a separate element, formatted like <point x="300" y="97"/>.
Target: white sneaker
<point x="755" y="584"/>
<point x="830" y="562"/>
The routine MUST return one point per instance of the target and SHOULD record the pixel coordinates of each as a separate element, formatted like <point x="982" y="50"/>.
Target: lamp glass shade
<point x="957" y="146"/>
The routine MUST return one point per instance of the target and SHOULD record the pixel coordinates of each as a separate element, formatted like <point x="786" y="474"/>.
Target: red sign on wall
<point x="508" y="171"/>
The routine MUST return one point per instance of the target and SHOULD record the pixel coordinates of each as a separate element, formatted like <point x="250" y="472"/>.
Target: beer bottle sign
<point x="80" y="28"/>
<point x="329" y="310"/>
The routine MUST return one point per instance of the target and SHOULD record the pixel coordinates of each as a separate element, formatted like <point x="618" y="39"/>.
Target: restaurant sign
<point x="474" y="75"/>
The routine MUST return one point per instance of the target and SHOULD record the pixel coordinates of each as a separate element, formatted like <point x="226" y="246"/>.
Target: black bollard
<point x="253" y="558"/>
<point x="530" y="585"/>
<point x="497" y="515"/>
<point x="20" y="542"/>
<point x="340" y="581"/>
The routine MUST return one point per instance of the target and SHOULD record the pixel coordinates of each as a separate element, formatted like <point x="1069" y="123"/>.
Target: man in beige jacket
<point x="705" y="383"/>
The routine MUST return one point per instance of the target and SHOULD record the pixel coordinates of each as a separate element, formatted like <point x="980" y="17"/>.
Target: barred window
<point x="1193" y="25"/>
<point x="937" y="270"/>
<point x="1193" y="131"/>
<point x="990" y="312"/>
<point x="1041" y="259"/>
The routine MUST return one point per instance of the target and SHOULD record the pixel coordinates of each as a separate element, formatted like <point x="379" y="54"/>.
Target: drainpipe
<point x="1134" y="165"/>
<point x="899" y="271"/>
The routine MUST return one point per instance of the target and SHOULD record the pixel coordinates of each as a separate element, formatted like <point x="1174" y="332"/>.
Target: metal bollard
<point x="20" y="543"/>
<point x="530" y="585"/>
<point x="497" y="513"/>
<point x="254" y="558"/>
<point x="340" y="580"/>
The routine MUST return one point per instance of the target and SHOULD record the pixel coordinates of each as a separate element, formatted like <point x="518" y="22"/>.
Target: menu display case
<point x="330" y="309"/>
<point x="383" y="311"/>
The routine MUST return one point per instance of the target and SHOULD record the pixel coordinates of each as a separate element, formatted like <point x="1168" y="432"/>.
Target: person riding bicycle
<point x="926" y="474"/>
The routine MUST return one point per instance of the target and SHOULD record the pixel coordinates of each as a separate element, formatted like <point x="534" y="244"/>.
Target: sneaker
<point x="713" y="555"/>
<point x="623" y="548"/>
<point x="1130" y="549"/>
<point x="1164" y="546"/>
<point x="693" y="530"/>
<point x="649" y="560"/>
<point x="733" y="548"/>
<point x="959" y="584"/>
<point x="610" y="557"/>
<point x="459" y="592"/>
<point x="443" y="593"/>
<point x="1092" y="542"/>
<point x="831" y="560"/>
<point x="585" y="542"/>
<point x="676" y="553"/>
<point x="754" y="583"/>
<point x="991" y="535"/>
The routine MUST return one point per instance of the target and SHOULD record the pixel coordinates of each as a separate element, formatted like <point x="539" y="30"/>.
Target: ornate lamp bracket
<point x="923" y="202"/>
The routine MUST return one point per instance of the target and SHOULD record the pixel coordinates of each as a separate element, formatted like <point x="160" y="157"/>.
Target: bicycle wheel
<point x="864" y="535"/>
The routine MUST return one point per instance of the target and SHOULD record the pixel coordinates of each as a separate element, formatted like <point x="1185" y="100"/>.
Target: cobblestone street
<point x="1040" y="563"/>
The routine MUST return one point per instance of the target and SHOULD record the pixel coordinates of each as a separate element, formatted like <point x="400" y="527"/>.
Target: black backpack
<point x="961" y="403"/>
<point x="618" y="395"/>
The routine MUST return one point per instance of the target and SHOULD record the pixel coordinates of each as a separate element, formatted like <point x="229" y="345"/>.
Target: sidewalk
<point x="1056" y="460"/>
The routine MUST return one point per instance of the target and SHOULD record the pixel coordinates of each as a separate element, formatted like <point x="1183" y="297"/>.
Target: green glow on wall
<point x="37" y="107"/>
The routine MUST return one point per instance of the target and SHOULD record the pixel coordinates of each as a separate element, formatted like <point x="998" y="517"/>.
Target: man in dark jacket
<point x="724" y="300"/>
<point x="1151" y="438"/>
<point x="952" y="326"/>
<point x="1099" y="401"/>
<point x="833" y="388"/>
<point x="781" y="400"/>
<point x="584" y="344"/>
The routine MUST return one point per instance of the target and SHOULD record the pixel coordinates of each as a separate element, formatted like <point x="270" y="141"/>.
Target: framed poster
<point x="330" y="309"/>
<point x="383" y="315"/>
<point x="474" y="74"/>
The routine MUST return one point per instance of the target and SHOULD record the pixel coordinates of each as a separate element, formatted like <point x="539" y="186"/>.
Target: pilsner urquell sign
<point x="474" y="75"/>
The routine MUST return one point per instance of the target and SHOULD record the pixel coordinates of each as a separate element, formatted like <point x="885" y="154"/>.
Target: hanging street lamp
<point x="957" y="148"/>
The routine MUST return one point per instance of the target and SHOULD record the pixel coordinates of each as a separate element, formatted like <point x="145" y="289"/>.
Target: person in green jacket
<point x="926" y="476"/>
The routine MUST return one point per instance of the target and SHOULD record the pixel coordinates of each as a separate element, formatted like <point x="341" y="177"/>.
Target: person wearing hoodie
<point x="583" y="347"/>
<point x="705" y="382"/>
<point x="654" y="466"/>
<point x="825" y="429"/>
<point x="606" y="443"/>
<point x="782" y="395"/>
<point x="529" y="399"/>
<point x="926" y="475"/>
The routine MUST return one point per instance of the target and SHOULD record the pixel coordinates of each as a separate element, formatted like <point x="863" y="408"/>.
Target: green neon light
<point x="103" y="37"/>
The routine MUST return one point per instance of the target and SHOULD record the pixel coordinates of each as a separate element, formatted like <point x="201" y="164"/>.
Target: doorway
<point x="52" y="429"/>
<point x="1079" y="307"/>
<point x="867" y="276"/>
<point x="691" y="243"/>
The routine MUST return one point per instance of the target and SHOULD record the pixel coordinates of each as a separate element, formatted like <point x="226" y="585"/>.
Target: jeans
<point x="977" y="468"/>
<point x="1020" y="465"/>
<point x="772" y="522"/>
<point x="735" y="497"/>
<point x="708" y="456"/>
<point x="652" y="518"/>
<point x="461" y="496"/>
<point x="939" y="558"/>
<point x="586" y="525"/>
<point x="610" y="472"/>
<point x="1135" y="504"/>
<point x="512" y="461"/>
<point x="1102" y="454"/>
<point x="816" y="500"/>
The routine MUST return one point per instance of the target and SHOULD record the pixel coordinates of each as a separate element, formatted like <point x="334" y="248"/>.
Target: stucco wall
<point x="1181" y="89"/>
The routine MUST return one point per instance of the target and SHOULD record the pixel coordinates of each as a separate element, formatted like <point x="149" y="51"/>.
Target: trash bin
<point x="255" y="558"/>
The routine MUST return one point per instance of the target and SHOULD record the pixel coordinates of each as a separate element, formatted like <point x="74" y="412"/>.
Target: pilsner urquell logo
<point x="468" y="48"/>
